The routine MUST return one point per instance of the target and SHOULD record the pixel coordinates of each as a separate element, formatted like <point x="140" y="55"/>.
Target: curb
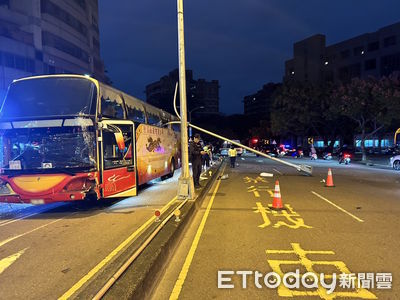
<point x="140" y="278"/>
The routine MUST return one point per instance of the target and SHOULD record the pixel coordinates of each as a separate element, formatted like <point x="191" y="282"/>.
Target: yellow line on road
<point x="189" y="258"/>
<point x="8" y="261"/>
<point x="337" y="206"/>
<point x="110" y="256"/>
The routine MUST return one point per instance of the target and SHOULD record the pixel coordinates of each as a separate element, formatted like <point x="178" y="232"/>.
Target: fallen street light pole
<point x="301" y="168"/>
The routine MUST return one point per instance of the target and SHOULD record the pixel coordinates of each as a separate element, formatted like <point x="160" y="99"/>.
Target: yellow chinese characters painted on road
<point x="256" y="180"/>
<point x="284" y="218"/>
<point x="256" y="190"/>
<point x="291" y="218"/>
<point x="304" y="262"/>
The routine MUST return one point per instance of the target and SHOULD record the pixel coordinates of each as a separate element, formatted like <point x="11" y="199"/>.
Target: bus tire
<point x="171" y="168"/>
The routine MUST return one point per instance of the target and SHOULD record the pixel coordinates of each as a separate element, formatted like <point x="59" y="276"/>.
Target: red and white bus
<point x="71" y="137"/>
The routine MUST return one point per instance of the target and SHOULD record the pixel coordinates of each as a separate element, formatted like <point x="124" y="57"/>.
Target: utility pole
<point x="185" y="183"/>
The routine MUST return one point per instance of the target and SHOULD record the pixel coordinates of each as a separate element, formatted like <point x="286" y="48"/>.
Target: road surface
<point x="47" y="251"/>
<point x="351" y="230"/>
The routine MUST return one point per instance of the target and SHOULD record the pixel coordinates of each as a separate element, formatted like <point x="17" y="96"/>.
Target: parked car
<point x="395" y="162"/>
<point x="224" y="151"/>
<point x="271" y="150"/>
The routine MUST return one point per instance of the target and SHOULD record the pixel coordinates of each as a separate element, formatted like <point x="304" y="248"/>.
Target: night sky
<point x="243" y="44"/>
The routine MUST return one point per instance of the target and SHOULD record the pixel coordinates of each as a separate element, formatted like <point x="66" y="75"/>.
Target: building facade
<point x="258" y="105"/>
<point x="48" y="37"/>
<point x="371" y="54"/>
<point x="202" y="96"/>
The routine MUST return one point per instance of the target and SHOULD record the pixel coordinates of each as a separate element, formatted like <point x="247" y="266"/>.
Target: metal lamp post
<point x="185" y="182"/>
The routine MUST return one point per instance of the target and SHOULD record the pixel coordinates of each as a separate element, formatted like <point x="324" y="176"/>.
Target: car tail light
<point x="347" y="155"/>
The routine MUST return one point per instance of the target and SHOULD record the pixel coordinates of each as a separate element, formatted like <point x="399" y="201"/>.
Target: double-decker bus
<point x="71" y="137"/>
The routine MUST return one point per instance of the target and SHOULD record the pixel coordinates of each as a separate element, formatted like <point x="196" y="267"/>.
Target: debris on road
<point x="265" y="174"/>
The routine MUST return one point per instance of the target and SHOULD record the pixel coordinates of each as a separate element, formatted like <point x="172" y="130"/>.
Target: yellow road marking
<point x="182" y="275"/>
<point x="261" y="209"/>
<point x="110" y="256"/>
<point x="8" y="261"/>
<point x="337" y="206"/>
<point x="2" y="243"/>
<point x="279" y="265"/>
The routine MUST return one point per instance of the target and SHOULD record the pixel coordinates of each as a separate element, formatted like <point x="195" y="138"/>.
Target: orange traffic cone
<point x="277" y="202"/>
<point x="329" y="179"/>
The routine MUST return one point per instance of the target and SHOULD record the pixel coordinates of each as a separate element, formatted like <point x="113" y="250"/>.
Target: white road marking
<point x="338" y="207"/>
<point x="2" y="243"/>
<point x="280" y="173"/>
<point x="39" y="211"/>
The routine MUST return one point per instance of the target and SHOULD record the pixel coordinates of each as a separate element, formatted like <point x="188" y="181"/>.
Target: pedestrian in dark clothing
<point x="196" y="152"/>
<point x="206" y="157"/>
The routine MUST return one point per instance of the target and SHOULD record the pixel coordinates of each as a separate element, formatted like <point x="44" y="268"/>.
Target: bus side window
<point x="176" y="127"/>
<point x="135" y="114"/>
<point x="153" y="119"/>
<point x="111" y="105"/>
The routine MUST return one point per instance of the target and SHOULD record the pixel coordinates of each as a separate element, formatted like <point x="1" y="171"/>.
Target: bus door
<point x="118" y="158"/>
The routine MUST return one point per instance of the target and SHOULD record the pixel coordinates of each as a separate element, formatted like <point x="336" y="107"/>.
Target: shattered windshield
<point x="50" y="96"/>
<point x="48" y="148"/>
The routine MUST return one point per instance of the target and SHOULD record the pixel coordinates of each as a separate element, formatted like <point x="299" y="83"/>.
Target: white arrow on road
<point x="8" y="261"/>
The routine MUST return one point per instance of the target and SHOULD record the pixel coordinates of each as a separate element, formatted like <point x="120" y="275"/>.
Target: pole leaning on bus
<point x="185" y="183"/>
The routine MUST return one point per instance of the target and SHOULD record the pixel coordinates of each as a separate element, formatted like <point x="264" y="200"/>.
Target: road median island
<point x="139" y="279"/>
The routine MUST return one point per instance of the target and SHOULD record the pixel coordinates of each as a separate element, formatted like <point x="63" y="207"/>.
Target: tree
<point x="306" y="109"/>
<point x="371" y="103"/>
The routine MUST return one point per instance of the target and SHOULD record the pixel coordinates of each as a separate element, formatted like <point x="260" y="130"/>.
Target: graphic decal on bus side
<point x="115" y="178"/>
<point x="155" y="147"/>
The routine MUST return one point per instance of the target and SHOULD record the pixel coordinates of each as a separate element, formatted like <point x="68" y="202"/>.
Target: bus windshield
<point x="49" y="148"/>
<point x="45" y="97"/>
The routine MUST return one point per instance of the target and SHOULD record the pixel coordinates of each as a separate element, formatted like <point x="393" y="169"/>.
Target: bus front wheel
<point x="171" y="170"/>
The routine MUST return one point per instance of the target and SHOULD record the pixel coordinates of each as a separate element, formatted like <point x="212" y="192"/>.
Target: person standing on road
<point x="196" y="152"/>
<point x="232" y="155"/>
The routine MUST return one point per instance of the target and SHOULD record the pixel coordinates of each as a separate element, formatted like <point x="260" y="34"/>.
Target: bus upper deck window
<point x="135" y="114"/>
<point x="111" y="108"/>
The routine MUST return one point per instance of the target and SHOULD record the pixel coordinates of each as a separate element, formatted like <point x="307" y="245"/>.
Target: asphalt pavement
<point x="239" y="247"/>
<point x="51" y="251"/>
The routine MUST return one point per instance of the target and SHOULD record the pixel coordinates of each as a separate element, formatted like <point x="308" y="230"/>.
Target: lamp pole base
<point x="186" y="188"/>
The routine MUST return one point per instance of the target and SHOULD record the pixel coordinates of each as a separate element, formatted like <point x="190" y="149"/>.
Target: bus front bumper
<point x="58" y="197"/>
